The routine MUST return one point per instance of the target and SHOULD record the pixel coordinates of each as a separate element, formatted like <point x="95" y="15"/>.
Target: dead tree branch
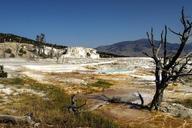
<point x="118" y="100"/>
<point x="73" y="107"/>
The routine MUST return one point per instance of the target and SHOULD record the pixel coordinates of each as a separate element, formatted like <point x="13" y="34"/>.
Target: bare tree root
<point x="118" y="100"/>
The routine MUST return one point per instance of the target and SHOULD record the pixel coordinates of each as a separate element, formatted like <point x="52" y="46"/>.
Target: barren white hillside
<point x="34" y="51"/>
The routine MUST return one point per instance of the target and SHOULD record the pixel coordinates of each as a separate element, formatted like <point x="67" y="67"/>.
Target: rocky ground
<point x="114" y="77"/>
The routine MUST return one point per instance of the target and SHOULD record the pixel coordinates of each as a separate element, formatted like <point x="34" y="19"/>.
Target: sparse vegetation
<point x="22" y="51"/>
<point x="186" y="102"/>
<point x="187" y="81"/>
<point x="8" y="51"/>
<point x="91" y="67"/>
<point x="13" y="81"/>
<point x="12" y="55"/>
<point x="101" y="84"/>
<point x="50" y="110"/>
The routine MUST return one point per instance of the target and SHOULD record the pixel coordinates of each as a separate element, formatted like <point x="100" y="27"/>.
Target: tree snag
<point x="40" y="42"/>
<point x="168" y="68"/>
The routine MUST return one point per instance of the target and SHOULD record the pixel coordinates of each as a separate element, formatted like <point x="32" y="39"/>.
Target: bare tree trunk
<point x="158" y="98"/>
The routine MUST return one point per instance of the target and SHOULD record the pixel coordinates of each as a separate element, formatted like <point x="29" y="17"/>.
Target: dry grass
<point x="132" y="118"/>
<point x="91" y="67"/>
<point x="50" y="110"/>
<point x="185" y="102"/>
<point x="93" y="83"/>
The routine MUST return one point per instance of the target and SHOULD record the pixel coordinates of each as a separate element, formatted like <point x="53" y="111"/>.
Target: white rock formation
<point x="49" y="50"/>
<point x="81" y="52"/>
<point x="52" y="52"/>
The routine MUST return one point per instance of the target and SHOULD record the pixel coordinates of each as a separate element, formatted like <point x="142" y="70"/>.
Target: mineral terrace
<point x="126" y="77"/>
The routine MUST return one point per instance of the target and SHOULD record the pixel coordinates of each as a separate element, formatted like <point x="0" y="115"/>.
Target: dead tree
<point x="18" y="45"/>
<point x="40" y="39"/>
<point x="73" y="107"/>
<point x="118" y="100"/>
<point x="168" y="68"/>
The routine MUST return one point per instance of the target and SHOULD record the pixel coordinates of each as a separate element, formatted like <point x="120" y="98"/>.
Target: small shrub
<point x="88" y="54"/>
<point x="12" y="55"/>
<point x="186" y="102"/>
<point x="13" y="81"/>
<point x="22" y="52"/>
<point x="91" y="67"/>
<point x="188" y="80"/>
<point x="9" y="51"/>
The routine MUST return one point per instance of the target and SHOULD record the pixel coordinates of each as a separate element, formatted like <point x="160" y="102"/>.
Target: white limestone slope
<point x="33" y="51"/>
<point x="81" y="52"/>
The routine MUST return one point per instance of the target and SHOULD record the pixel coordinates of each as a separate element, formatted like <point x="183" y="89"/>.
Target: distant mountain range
<point x="120" y="49"/>
<point x="137" y="47"/>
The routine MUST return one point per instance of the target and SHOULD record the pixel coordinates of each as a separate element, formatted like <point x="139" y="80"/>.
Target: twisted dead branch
<point x="73" y="107"/>
<point x="118" y="100"/>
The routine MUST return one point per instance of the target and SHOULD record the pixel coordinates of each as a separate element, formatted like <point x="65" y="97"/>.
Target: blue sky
<point x="90" y="23"/>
